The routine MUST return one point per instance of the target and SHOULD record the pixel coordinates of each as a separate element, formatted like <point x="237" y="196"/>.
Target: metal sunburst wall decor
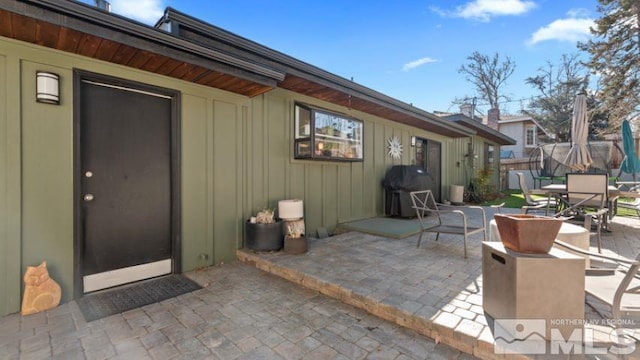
<point x="395" y="147"/>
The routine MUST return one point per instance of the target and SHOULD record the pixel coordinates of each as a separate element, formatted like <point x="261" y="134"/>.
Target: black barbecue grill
<point x="399" y="181"/>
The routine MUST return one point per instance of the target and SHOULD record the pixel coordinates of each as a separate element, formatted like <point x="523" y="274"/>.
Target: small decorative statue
<point x="40" y="292"/>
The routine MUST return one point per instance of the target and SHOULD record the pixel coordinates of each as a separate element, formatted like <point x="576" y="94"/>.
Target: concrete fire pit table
<point x="569" y="233"/>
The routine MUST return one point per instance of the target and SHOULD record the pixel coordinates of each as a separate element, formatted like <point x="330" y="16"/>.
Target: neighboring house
<point x="524" y="129"/>
<point x="151" y="146"/>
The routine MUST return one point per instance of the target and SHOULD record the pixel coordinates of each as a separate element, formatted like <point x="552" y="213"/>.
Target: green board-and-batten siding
<point x="461" y="169"/>
<point x="237" y="157"/>
<point x="10" y="206"/>
<point x="212" y="180"/>
<point x="333" y="191"/>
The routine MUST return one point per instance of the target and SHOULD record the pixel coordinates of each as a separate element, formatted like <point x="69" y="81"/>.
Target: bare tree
<point x="488" y="75"/>
<point x="557" y="86"/>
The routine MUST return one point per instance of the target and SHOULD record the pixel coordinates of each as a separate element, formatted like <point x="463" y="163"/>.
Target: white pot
<point x="456" y="193"/>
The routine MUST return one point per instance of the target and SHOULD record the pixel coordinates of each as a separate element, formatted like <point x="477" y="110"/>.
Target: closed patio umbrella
<point x="630" y="164"/>
<point x="579" y="157"/>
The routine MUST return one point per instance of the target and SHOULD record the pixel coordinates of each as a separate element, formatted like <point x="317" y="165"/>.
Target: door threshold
<point x="107" y="279"/>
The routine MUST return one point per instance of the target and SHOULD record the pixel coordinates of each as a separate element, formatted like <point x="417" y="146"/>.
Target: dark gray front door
<point x="125" y="184"/>
<point x="434" y="165"/>
<point x="428" y="155"/>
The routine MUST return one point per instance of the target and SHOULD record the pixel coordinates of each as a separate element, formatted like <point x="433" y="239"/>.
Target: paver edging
<point x="430" y="328"/>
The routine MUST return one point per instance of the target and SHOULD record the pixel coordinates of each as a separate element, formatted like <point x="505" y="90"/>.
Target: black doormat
<point x="124" y="298"/>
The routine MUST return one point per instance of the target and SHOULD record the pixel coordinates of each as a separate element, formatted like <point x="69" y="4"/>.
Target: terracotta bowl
<point x="529" y="234"/>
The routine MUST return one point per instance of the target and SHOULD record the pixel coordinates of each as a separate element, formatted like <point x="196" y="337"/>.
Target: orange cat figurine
<point x="40" y="292"/>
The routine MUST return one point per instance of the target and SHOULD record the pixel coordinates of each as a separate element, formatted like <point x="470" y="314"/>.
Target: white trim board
<point x="126" y="275"/>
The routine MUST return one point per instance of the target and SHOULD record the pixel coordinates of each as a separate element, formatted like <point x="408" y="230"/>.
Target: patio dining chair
<point x="431" y="218"/>
<point x="618" y="287"/>
<point x="587" y="196"/>
<point x="535" y="204"/>
<point x="634" y="205"/>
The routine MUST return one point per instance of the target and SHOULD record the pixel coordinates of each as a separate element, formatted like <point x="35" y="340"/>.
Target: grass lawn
<point x="515" y="199"/>
<point x="510" y="198"/>
<point x="626" y="212"/>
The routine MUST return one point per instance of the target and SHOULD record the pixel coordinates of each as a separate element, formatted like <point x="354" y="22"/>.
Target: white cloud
<point x="416" y="63"/>
<point x="571" y="29"/>
<point x="439" y="11"/>
<point x="146" y="11"/>
<point x="484" y="10"/>
<point x="578" y="13"/>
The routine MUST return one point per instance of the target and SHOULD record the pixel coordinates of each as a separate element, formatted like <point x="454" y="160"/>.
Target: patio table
<point x="630" y="185"/>
<point x="562" y="189"/>
<point x="559" y="191"/>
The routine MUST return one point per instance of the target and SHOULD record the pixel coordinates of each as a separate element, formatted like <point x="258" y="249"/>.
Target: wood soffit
<point x="321" y="92"/>
<point x="63" y="33"/>
<point x="28" y="29"/>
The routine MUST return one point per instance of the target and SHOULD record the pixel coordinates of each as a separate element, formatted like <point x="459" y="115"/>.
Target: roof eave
<point x="90" y="20"/>
<point x="130" y="27"/>
<point x="312" y="73"/>
<point x="483" y="130"/>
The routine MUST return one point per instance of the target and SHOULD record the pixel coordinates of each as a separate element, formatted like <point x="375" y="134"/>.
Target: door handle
<point x="88" y="197"/>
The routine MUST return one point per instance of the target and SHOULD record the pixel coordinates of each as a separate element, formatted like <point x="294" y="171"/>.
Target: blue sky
<point x="407" y="49"/>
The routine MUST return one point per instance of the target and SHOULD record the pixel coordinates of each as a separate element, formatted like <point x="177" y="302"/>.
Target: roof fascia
<point x="312" y="73"/>
<point x="482" y="129"/>
<point x="121" y="24"/>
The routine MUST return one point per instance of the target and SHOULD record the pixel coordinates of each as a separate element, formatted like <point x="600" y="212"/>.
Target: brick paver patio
<point x="242" y="313"/>
<point x="379" y="299"/>
<point x="432" y="290"/>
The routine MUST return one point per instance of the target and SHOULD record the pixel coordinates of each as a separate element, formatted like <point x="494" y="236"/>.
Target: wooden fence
<point x="511" y="164"/>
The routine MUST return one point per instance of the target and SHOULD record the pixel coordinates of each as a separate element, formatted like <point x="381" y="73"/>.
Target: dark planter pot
<point x="264" y="237"/>
<point x="295" y="246"/>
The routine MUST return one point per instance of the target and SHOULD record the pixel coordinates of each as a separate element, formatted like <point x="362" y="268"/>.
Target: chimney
<point x="466" y="110"/>
<point x="103" y="5"/>
<point x="493" y="115"/>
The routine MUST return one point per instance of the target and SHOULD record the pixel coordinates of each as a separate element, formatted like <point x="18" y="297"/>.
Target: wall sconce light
<point x="413" y="141"/>
<point x="47" y="87"/>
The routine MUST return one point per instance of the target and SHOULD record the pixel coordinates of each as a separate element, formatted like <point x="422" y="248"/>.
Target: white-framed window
<point x="530" y="135"/>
